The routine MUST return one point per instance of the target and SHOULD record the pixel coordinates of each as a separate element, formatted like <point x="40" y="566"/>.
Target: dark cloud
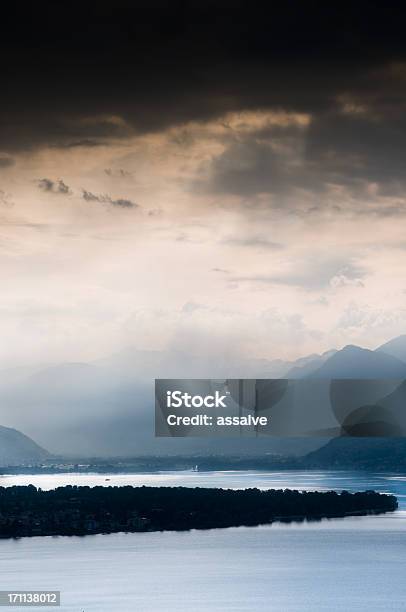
<point x="106" y="199"/>
<point x="91" y="197"/>
<point x="245" y="168"/>
<point x="269" y="161"/>
<point x="352" y="148"/>
<point x="59" y="126"/>
<point x="51" y="186"/>
<point x="344" y="64"/>
<point x="86" y="142"/>
<point x="6" y="161"/>
<point x="67" y="73"/>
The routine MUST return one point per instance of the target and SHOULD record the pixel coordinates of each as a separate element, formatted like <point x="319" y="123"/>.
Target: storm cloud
<point x="266" y="142"/>
<point x="168" y="63"/>
<point x="6" y="161"/>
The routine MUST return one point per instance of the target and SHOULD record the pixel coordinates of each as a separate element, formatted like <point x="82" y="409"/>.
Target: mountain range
<point x="106" y="407"/>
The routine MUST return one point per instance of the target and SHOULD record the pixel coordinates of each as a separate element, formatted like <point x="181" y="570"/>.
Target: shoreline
<point x="287" y="520"/>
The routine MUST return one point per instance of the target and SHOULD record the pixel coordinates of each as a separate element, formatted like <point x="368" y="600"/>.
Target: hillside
<point x="18" y="449"/>
<point x="395" y="347"/>
<point x="305" y="366"/>
<point x="355" y="362"/>
<point x="373" y="454"/>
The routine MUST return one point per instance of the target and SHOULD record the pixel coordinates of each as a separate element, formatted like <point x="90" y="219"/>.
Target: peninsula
<point x="72" y="510"/>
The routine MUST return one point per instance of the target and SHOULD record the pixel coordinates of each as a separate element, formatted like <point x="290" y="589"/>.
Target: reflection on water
<point x="356" y="563"/>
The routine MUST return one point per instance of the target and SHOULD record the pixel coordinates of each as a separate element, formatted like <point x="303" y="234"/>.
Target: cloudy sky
<point x="201" y="176"/>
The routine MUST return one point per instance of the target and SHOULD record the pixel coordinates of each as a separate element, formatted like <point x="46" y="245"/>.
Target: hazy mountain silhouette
<point x="107" y="406"/>
<point x="367" y="452"/>
<point x="355" y="362"/>
<point x="17" y="448"/>
<point x="395" y="347"/>
<point x="305" y="366"/>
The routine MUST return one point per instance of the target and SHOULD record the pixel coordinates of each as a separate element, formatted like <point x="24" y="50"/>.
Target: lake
<point x="351" y="564"/>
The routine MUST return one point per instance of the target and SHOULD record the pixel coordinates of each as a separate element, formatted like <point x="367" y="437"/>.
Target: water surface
<point x="333" y="565"/>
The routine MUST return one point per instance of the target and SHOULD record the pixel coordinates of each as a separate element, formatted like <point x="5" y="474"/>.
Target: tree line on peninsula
<point x="72" y="510"/>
